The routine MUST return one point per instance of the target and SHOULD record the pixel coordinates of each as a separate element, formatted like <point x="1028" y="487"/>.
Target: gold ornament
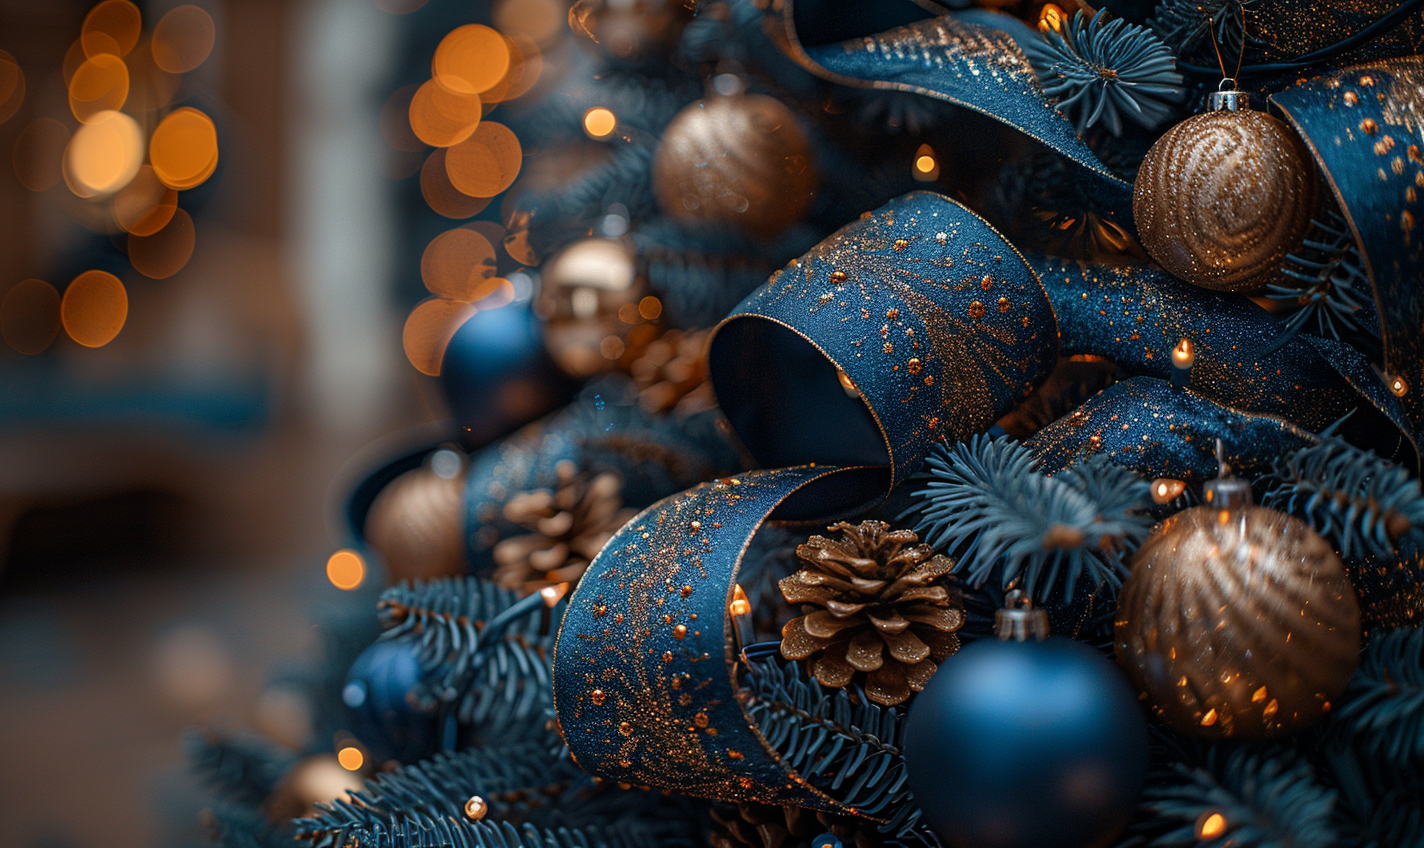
<point x="876" y="605"/>
<point x="1237" y="621"/>
<point x="631" y="30"/>
<point x="592" y="300"/>
<point x="318" y="779"/>
<point x="417" y="525"/>
<point x="1222" y="197"/>
<point x="740" y="160"/>
<point x="570" y="526"/>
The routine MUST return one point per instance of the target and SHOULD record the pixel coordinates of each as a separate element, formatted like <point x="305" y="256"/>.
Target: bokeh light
<point x="441" y="195"/>
<point x="351" y="758"/>
<point x="457" y="264"/>
<point x="145" y="205"/>
<point x="926" y="164"/>
<point x="441" y="117"/>
<point x="599" y="122"/>
<point x="543" y="20"/>
<point x="101" y="84"/>
<point x="470" y="59"/>
<point x="650" y="308"/>
<point x="487" y="163"/>
<point x="111" y="28"/>
<point x="184" y="148"/>
<point x="39" y="154"/>
<point x="163" y="254"/>
<point x="29" y="316"/>
<point x="429" y="329"/>
<point x="12" y="86"/>
<point x="94" y="308"/>
<point x="346" y="569"/>
<point x="1210" y="824"/>
<point x="525" y="65"/>
<point x="183" y="39"/>
<point x="104" y="155"/>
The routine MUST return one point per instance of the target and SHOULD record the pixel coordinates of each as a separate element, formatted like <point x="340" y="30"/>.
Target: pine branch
<point x="1267" y="796"/>
<point x="241" y="770"/>
<point x="1378" y="806"/>
<point x="838" y="740"/>
<point x="985" y="503"/>
<point x="1382" y="712"/>
<point x="1358" y="501"/>
<point x="424" y="831"/>
<point x="1331" y="293"/>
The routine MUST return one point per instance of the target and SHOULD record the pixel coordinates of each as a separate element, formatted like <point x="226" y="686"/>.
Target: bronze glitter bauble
<point x="417" y="525"/>
<point x="1222" y="197"/>
<point x="589" y="299"/>
<point x="738" y="160"/>
<point x="1237" y="623"/>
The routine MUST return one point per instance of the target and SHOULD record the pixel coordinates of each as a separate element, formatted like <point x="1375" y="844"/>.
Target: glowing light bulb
<point x="351" y="758"/>
<point x="599" y="122"/>
<point x="346" y="570"/>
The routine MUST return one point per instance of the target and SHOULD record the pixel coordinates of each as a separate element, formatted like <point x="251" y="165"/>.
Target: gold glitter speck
<point x="1368" y="126"/>
<point x="976" y="310"/>
<point x="914" y="365"/>
<point x="597" y="696"/>
<point x="1003" y="304"/>
<point x="901" y="244"/>
<point x="679" y="632"/>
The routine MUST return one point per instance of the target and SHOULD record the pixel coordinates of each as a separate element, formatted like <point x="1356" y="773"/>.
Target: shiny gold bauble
<point x="1237" y="623"/>
<point x="318" y="779"/>
<point x="631" y="30"/>
<point x="1222" y="197"/>
<point x="740" y="160"/>
<point x="417" y="525"/>
<point x="591" y="298"/>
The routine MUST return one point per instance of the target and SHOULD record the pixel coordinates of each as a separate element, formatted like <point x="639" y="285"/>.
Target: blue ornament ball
<point x="1018" y="744"/>
<point x="497" y="376"/>
<point x="390" y="710"/>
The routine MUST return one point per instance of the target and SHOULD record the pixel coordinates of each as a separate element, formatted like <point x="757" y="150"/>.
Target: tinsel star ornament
<point x="1237" y="622"/>
<point x="1223" y="197"/>
<point x="1026" y="741"/>
<point x="877" y="606"/>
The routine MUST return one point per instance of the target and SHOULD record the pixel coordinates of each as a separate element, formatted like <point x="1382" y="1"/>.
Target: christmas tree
<point x="869" y="345"/>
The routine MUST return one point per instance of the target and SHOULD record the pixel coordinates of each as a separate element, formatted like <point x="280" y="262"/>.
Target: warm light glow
<point x="346" y="570"/>
<point x="428" y="331"/>
<point x="487" y="162"/>
<point x="29" y="316"/>
<point x="1050" y="17"/>
<point x="1184" y="354"/>
<point x="1165" y="489"/>
<point x="599" y="122"/>
<point x="650" y="308"/>
<point x="101" y="84"/>
<point x="111" y="27"/>
<point x="925" y="167"/>
<point x="1398" y="386"/>
<point x="458" y="264"/>
<point x="39" y="154"/>
<point x="166" y="252"/>
<point x="553" y="594"/>
<point x="471" y="59"/>
<point x="145" y="205"/>
<point x="94" y="308"/>
<point x="183" y="39"/>
<point x="543" y="20"/>
<point x="739" y="605"/>
<point x="184" y="149"/>
<point x="104" y="155"/>
<point x="12" y="86"/>
<point x="441" y="194"/>
<point x="925" y="164"/>
<point x="1210" y="825"/>
<point x="350" y="758"/>
<point x="847" y="385"/>
<point x="441" y="117"/>
<point x="1210" y="718"/>
<point x="525" y="66"/>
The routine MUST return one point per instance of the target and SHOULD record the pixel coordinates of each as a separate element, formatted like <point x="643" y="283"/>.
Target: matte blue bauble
<point x="391" y="712"/>
<point x="1019" y="744"/>
<point x="496" y="375"/>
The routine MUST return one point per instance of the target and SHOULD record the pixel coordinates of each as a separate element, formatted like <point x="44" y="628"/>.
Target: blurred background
<point x="206" y="263"/>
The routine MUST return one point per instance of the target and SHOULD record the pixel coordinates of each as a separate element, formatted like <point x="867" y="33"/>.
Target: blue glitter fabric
<point x="1156" y="430"/>
<point x="645" y="661"/>
<point x="1365" y="127"/>
<point x="968" y="64"/>
<point x="935" y="323"/>
<point x="1135" y="315"/>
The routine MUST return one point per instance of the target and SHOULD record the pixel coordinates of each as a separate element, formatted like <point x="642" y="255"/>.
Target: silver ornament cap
<point x="1019" y="621"/>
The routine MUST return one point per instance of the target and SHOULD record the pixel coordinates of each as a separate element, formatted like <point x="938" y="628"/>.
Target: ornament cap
<point x="1019" y="621"/>
<point x="1229" y="98"/>
<point x="1225" y="491"/>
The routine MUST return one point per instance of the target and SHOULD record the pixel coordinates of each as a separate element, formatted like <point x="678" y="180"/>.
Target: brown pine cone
<point x="877" y="604"/>
<point x="671" y="373"/>
<point x="771" y="826"/>
<point x="570" y="526"/>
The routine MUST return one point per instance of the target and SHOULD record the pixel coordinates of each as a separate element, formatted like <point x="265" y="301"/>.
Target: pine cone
<point x="570" y="526"/>
<point x="671" y="373"/>
<point x="771" y="826"/>
<point x="876" y="603"/>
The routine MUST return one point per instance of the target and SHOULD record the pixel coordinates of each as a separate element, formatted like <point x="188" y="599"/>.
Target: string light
<point x="1165" y="489"/>
<point x="599" y="122"/>
<point x="1210" y="824"/>
<point x="346" y="570"/>
<point x="926" y="165"/>
<point x="351" y="758"/>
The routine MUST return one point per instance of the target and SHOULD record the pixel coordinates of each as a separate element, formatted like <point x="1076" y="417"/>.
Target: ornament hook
<point x="1019" y="620"/>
